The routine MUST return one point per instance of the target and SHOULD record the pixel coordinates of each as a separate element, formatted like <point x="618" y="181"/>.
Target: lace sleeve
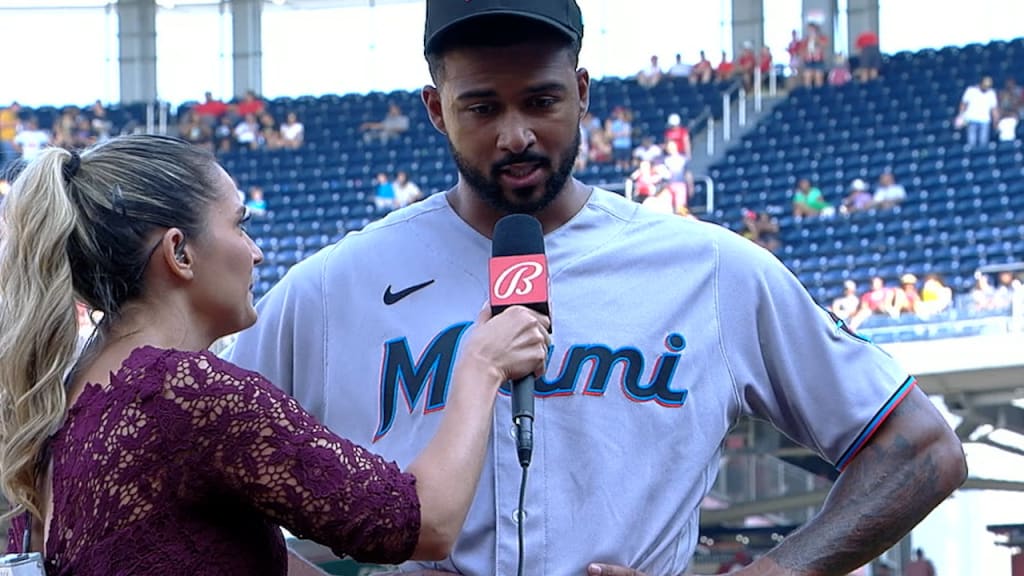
<point x="261" y="446"/>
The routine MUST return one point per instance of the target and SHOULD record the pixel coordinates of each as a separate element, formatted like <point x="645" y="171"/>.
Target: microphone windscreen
<point x="517" y="234"/>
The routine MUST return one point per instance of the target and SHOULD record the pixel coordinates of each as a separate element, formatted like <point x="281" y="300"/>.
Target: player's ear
<point x="583" y="86"/>
<point x="431" y="96"/>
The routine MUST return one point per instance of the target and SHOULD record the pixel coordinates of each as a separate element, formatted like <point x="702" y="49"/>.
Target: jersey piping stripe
<point x="876" y="422"/>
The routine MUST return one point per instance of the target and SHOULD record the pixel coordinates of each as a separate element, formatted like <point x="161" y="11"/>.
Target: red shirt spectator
<point x="866" y="39"/>
<point x="681" y="136"/>
<point x="746" y="61"/>
<point x="210" y="107"/>
<point x="250" y="104"/>
<point x="765" y="60"/>
<point x="725" y="68"/>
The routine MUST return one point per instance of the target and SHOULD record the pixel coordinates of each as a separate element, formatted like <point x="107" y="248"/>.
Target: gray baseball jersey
<point x="666" y="331"/>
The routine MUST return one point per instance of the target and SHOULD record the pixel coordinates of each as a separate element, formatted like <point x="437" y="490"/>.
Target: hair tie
<point x="71" y="166"/>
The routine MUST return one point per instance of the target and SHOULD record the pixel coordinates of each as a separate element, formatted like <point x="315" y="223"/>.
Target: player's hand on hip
<point x="512" y="344"/>
<point x="611" y="570"/>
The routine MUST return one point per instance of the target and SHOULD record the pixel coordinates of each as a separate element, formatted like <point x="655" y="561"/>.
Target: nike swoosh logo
<point x="393" y="297"/>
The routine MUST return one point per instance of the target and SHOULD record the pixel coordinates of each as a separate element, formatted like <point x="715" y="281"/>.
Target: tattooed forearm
<point x="912" y="465"/>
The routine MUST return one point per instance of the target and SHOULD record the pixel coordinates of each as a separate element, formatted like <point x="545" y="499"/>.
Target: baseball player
<point x="665" y="332"/>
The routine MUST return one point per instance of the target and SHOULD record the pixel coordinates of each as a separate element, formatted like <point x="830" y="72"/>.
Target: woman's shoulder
<point x="194" y="369"/>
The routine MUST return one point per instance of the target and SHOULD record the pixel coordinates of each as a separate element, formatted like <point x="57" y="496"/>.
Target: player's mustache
<point x="522" y="158"/>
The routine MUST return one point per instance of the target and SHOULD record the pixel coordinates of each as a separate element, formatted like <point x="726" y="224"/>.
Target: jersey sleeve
<point x="258" y="445"/>
<point x="795" y="364"/>
<point x="286" y="345"/>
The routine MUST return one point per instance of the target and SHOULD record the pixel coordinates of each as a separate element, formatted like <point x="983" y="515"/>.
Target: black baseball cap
<point x="442" y="15"/>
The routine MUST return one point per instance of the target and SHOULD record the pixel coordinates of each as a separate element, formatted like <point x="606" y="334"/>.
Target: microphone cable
<point x="521" y="517"/>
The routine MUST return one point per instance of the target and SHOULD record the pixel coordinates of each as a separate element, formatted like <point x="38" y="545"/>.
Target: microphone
<point x="519" y="276"/>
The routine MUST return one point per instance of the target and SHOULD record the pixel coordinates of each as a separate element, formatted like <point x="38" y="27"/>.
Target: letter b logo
<point x="519" y="280"/>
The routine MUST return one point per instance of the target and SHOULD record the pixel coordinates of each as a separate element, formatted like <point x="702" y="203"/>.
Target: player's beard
<point x="488" y="188"/>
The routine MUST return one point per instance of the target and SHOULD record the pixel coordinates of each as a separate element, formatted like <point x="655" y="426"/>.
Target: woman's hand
<point x="510" y="345"/>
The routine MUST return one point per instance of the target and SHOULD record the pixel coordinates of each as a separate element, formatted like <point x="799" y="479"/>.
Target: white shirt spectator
<point x="406" y="193"/>
<point x="31" y="143"/>
<point x="1007" y="128"/>
<point x="980" y="104"/>
<point x="648" y="153"/>
<point x="245" y="133"/>
<point x="892" y="194"/>
<point x="292" y="132"/>
<point x="679" y="70"/>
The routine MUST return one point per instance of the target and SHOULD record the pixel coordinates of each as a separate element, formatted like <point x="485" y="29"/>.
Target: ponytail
<point x="38" y="328"/>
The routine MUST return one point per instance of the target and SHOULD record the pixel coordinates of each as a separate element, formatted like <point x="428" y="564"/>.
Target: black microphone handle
<point x="522" y="416"/>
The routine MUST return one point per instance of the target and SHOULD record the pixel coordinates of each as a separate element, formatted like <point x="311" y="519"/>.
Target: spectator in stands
<point x="761" y="229"/>
<point x="745" y="65"/>
<point x="936" y="297"/>
<point x="384" y="193"/>
<point x="1006" y="286"/>
<point x="979" y="110"/>
<point x="10" y="125"/>
<point x="224" y="135"/>
<point x="814" y="56"/>
<point x="195" y="131"/>
<point x="680" y="179"/>
<point x="600" y="148"/>
<point x="256" y="204"/>
<point x="63" y="128"/>
<point x="764" y="61"/>
<point x="102" y="127"/>
<point x="620" y="130"/>
<point x="725" y="69"/>
<point x="591" y="123"/>
<point x="858" y="199"/>
<point x="406" y="191"/>
<point x="795" y="49"/>
<point x="250" y="104"/>
<point x="982" y="295"/>
<point x="1007" y="127"/>
<point x="878" y="300"/>
<point x="906" y="298"/>
<point x="920" y="566"/>
<point x="31" y="140"/>
<point x="270" y="134"/>
<point x="809" y="201"/>
<point x="292" y="132"/>
<point x="703" y="71"/>
<point x="647" y="150"/>
<point x="394" y="124"/>
<point x="845" y="306"/>
<point x="888" y="193"/>
<point x="82" y="134"/>
<point x="647" y="179"/>
<point x="869" y="57"/>
<point x="650" y="76"/>
<point x="247" y="132"/>
<point x="678" y="133"/>
<point x="1011" y="99"/>
<point x="210" y="110"/>
<point x="679" y="70"/>
<point x="840" y="73"/>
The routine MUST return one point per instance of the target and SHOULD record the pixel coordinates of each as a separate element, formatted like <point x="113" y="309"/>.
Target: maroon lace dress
<point x="188" y="464"/>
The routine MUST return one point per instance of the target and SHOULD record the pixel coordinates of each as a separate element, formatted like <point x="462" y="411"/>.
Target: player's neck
<point x="482" y="217"/>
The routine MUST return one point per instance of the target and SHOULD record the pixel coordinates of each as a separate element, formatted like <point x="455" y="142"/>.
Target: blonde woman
<point x="150" y="455"/>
